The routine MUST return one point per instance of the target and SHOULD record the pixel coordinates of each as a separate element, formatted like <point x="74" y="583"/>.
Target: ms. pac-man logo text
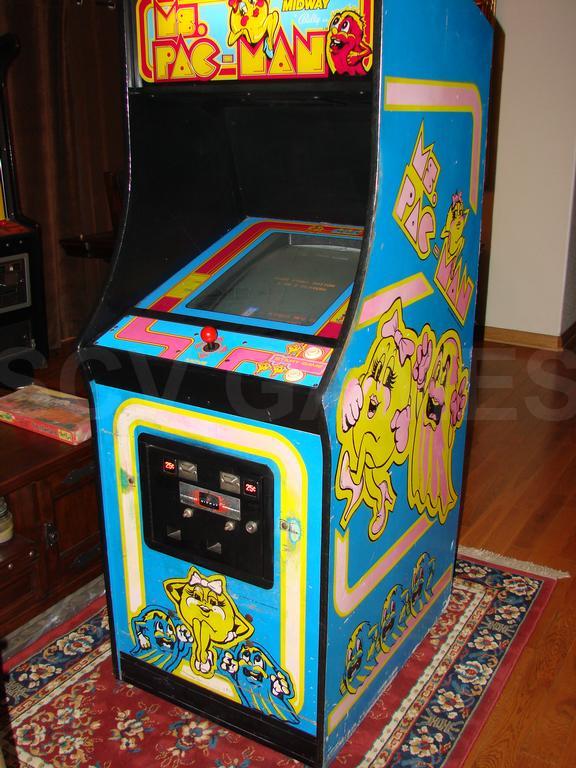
<point x="182" y="41"/>
<point x="414" y="208"/>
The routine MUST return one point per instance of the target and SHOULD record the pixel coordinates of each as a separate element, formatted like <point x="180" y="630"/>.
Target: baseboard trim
<point x="535" y="340"/>
<point x="523" y="338"/>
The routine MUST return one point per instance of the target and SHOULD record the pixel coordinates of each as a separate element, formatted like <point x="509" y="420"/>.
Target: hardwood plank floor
<point x="519" y="500"/>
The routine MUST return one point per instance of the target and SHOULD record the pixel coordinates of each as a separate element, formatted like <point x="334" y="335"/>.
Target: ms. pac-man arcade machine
<point x="280" y="364"/>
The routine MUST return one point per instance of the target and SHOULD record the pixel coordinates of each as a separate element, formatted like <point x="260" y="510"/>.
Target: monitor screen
<point x="286" y="278"/>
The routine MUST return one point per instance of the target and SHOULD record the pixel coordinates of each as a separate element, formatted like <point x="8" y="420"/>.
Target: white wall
<point x="533" y="249"/>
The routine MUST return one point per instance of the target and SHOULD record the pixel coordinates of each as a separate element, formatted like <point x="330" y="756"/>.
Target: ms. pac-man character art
<point x="280" y="363"/>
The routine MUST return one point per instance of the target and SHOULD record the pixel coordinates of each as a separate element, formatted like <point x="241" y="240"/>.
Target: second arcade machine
<point x="280" y="364"/>
<point x="23" y="332"/>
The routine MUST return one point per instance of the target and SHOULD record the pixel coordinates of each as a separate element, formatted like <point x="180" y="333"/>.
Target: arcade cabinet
<point x="22" y="310"/>
<point x="280" y="363"/>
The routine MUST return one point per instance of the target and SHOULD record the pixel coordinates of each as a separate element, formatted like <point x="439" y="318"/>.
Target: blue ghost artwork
<point x="158" y="640"/>
<point x="389" y="629"/>
<point x="260" y="682"/>
<point x="360" y="658"/>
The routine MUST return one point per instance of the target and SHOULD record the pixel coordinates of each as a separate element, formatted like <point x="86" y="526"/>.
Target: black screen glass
<point x="287" y="278"/>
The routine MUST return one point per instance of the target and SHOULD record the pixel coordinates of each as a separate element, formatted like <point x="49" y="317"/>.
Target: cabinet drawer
<point x="20" y="581"/>
<point x="16" y="586"/>
<point x="16" y="555"/>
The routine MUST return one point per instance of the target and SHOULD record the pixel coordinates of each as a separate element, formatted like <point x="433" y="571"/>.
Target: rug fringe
<point x="510" y="562"/>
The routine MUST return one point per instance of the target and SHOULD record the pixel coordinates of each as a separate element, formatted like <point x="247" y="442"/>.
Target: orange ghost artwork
<point x="347" y="51"/>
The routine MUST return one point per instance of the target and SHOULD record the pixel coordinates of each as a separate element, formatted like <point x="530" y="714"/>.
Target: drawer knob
<point x="10" y="566"/>
<point x="31" y="553"/>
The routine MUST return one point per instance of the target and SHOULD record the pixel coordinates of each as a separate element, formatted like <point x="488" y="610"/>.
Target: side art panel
<point x="396" y="407"/>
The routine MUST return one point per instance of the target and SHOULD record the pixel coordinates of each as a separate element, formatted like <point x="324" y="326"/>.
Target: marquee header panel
<point x="180" y="42"/>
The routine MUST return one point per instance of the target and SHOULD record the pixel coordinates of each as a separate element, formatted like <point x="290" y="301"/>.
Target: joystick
<point x="209" y="334"/>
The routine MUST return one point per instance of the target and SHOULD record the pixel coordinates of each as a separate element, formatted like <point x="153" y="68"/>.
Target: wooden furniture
<point x="94" y="246"/>
<point x="100" y="245"/>
<point x="50" y="490"/>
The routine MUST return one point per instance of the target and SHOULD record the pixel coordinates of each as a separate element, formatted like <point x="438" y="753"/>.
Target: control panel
<point x="294" y="361"/>
<point x="208" y="508"/>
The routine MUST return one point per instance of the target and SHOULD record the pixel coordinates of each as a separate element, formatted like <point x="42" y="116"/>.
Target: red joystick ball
<point x="209" y="334"/>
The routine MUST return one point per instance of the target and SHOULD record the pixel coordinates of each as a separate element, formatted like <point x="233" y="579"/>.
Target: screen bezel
<point x="328" y="325"/>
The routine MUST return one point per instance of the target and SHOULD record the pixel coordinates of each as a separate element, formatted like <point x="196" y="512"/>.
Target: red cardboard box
<point x="48" y="412"/>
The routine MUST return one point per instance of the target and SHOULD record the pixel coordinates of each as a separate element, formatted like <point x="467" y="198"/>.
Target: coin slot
<point x="174" y="533"/>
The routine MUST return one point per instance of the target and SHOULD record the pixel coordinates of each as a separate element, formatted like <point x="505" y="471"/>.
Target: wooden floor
<point x="520" y="500"/>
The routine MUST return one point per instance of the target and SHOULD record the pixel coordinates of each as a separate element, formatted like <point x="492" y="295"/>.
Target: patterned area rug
<point x="65" y="708"/>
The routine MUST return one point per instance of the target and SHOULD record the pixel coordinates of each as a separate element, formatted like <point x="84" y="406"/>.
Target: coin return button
<point x="188" y="471"/>
<point x="229" y="482"/>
